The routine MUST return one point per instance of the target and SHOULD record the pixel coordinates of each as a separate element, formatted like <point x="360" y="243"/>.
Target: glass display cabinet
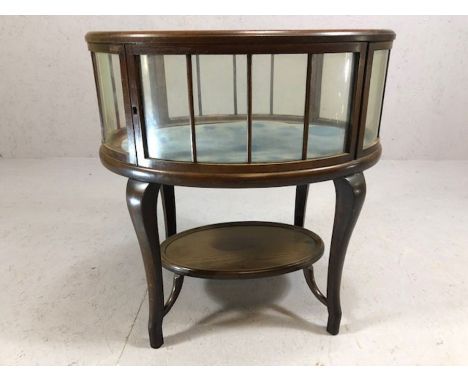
<point x="239" y="109"/>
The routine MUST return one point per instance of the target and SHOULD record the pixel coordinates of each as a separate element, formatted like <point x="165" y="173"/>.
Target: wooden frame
<point x="361" y="151"/>
<point x="208" y="37"/>
<point x="149" y="177"/>
<point x="313" y="43"/>
<point x="130" y="157"/>
<point x="286" y="42"/>
<point x="133" y="53"/>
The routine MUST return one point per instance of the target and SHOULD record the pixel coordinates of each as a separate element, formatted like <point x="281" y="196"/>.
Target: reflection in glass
<point x="278" y="99"/>
<point x="219" y="84"/>
<point x="225" y="142"/>
<point x="220" y="95"/>
<point x="331" y="99"/>
<point x="111" y="100"/>
<point x="376" y="92"/>
<point x="165" y="106"/>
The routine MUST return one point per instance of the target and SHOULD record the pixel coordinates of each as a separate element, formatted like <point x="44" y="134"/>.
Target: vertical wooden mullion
<point x="316" y="86"/>
<point x="249" y="108"/>
<point x="365" y="65"/>
<point x="305" y="138"/>
<point x="234" y="79"/>
<point x="272" y="82"/>
<point x="136" y="108"/>
<point x="199" y="92"/>
<point x="355" y="114"/>
<point x="191" y="109"/>
<point x="132" y="149"/>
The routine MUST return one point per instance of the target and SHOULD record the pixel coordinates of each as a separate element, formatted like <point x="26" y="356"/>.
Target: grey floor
<point x="72" y="286"/>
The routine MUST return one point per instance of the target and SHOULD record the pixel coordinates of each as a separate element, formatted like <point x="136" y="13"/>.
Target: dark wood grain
<point x="141" y="202"/>
<point x="249" y="108"/>
<point x="177" y="282"/>
<point x="169" y="209"/>
<point x="350" y="195"/>
<point x="199" y="85"/>
<point x="241" y="250"/>
<point x="256" y="47"/>
<point x="302" y="192"/>
<point x="191" y="108"/>
<point x="305" y="136"/>
<point x="239" y="36"/>
<point x="234" y="82"/>
<point x="242" y="176"/>
<point x="310" y="279"/>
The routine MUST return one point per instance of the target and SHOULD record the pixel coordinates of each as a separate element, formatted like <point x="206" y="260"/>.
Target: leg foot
<point x="350" y="194"/>
<point x="141" y="202"/>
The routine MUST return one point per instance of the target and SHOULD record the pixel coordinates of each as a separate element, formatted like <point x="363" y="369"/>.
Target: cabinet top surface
<point x="319" y="35"/>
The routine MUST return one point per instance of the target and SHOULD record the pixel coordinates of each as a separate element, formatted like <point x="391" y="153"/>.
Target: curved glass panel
<point x="376" y="93"/>
<point x="278" y="99"/>
<point x="165" y="106"/>
<point x="332" y="82"/>
<point x="110" y="93"/>
<point x="220" y="89"/>
<point x="220" y="104"/>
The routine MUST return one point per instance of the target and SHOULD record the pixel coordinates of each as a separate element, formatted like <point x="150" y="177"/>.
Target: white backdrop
<point x="48" y="104"/>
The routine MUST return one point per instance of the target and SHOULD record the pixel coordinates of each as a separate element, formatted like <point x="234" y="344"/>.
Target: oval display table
<point x="240" y="109"/>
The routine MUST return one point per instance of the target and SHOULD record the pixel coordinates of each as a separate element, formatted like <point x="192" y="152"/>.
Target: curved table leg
<point x="310" y="279"/>
<point x="142" y="201"/>
<point x="302" y="192"/>
<point x="350" y="195"/>
<point x="169" y="208"/>
<point x="176" y="287"/>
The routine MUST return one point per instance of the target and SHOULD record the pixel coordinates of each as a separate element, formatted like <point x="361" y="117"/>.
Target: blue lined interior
<point x="226" y="142"/>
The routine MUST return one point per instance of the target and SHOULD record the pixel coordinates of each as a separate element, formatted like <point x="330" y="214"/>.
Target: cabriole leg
<point x="350" y="194"/>
<point x="141" y="201"/>
<point x="302" y="192"/>
<point x="169" y="208"/>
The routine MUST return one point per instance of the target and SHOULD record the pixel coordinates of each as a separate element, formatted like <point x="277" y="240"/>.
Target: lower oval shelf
<point x="241" y="250"/>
